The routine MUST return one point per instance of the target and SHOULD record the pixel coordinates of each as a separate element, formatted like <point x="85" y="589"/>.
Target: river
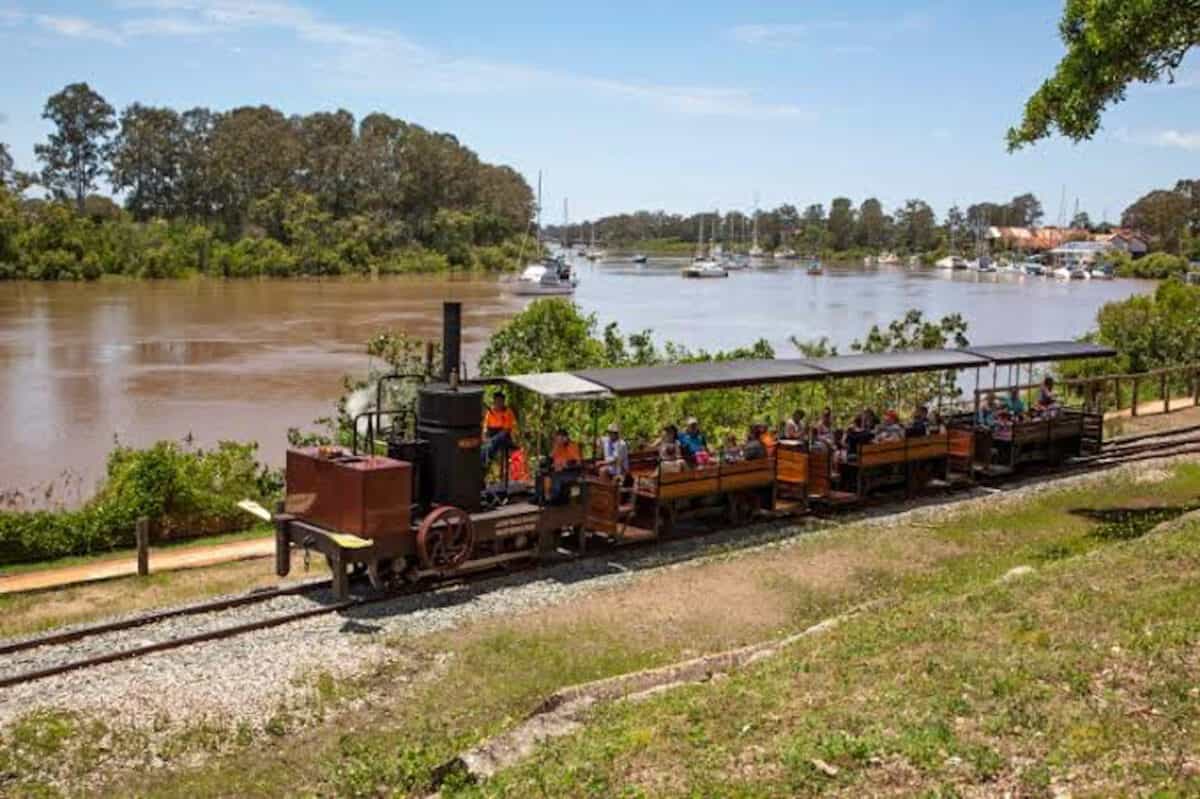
<point x="82" y="364"/>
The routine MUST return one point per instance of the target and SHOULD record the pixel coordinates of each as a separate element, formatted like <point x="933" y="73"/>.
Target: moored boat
<point x="553" y="276"/>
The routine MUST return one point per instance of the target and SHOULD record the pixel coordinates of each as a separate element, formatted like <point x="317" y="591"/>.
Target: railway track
<point x="1116" y="452"/>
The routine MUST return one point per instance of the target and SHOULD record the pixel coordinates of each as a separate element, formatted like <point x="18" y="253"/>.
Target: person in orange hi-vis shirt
<point x="499" y="429"/>
<point x="565" y="468"/>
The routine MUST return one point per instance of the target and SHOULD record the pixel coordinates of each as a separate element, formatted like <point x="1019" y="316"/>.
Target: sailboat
<point x="703" y="265"/>
<point x="755" y="250"/>
<point x="593" y="253"/>
<point x="552" y="275"/>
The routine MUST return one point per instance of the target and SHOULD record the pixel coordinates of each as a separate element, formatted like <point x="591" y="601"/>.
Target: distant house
<point x="1081" y="253"/>
<point x="1035" y="239"/>
<point x="1126" y="241"/>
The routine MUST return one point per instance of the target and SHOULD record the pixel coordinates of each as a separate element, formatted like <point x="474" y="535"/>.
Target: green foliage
<point x="1149" y="332"/>
<point x="182" y="492"/>
<point x="1158" y="265"/>
<point x="1110" y="44"/>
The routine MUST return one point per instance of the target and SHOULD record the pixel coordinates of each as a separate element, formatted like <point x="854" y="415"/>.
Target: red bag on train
<point x="518" y="470"/>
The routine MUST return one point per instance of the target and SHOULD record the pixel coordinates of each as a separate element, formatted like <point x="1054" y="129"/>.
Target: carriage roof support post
<point x="975" y="421"/>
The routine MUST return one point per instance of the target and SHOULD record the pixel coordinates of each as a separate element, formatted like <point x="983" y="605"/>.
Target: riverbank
<point x="423" y="682"/>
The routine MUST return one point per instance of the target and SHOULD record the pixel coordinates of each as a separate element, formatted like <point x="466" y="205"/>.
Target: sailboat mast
<point x="566" y="226"/>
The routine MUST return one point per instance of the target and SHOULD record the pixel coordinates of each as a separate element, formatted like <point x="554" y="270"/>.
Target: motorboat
<point x="735" y="262"/>
<point x="1102" y="272"/>
<point x="787" y="254"/>
<point x="951" y="262"/>
<point x="1031" y="268"/>
<point x="815" y="267"/>
<point x="638" y="258"/>
<point x="870" y="260"/>
<point x="1076" y="272"/>
<point x="704" y="267"/>
<point x="981" y="265"/>
<point x="553" y="276"/>
<point x="888" y="259"/>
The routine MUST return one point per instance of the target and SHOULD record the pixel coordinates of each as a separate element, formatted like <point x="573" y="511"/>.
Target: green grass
<point x="961" y="684"/>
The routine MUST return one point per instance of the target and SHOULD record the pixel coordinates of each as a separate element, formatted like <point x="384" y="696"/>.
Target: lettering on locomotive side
<point x="521" y="525"/>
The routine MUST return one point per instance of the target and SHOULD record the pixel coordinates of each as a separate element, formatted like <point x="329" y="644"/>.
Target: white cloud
<point x="1178" y="139"/>
<point x="77" y="28"/>
<point x="781" y="33"/>
<point x="377" y="58"/>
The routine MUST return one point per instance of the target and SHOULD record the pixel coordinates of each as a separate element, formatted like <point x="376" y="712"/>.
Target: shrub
<point x="183" y="492"/>
<point x="1156" y="266"/>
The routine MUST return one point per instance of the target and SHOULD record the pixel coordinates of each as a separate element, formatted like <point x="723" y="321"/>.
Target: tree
<point x="1024" y="211"/>
<point x="872" y="224"/>
<point x="813" y="224"/>
<point x="915" y="224"/>
<point x="255" y="150"/>
<point x="76" y="153"/>
<point x="956" y="228"/>
<point x="6" y="166"/>
<point x="1162" y="214"/>
<point x="147" y="161"/>
<point x="1081" y="220"/>
<point x="1110" y="44"/>
<point x="841" y="223"/>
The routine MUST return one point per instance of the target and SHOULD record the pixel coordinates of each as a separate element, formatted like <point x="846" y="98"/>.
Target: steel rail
<point x="251" y="598"/>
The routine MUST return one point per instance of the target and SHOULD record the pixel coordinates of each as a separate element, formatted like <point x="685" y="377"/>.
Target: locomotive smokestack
<point x="451" y="339"/>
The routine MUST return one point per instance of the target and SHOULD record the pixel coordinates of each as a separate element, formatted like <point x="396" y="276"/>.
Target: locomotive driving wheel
<point x="445" y="538"/>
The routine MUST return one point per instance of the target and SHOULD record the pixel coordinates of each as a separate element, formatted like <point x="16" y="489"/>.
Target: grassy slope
<point x="960" y="684"/>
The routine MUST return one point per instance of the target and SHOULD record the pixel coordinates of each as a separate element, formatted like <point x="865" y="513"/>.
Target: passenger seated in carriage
<point x="987" y="411"/>
<point x="755" y="448"/>
<point x="890" y="430"/>
<point x="1047" y="404"/>
<point x="616" y="454"/>
<point x="732" y="452"/>
<point x="858" y="433"/>
<point x="670" y="452"/>
<point x="919" y="426"/>
<point x="694" y="443"/>
<point x="1014" y="404"/>
<point x="767" y="438"/>
<point x="824" y="428"/>
<point x="795" y="428"/>
<point x="566" y="464"/>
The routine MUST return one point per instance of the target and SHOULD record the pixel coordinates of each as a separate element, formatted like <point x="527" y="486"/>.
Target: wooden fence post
<point x="1133" y="410"/>
<point x="1166" y="392"/>
<point x="143" y="546"/>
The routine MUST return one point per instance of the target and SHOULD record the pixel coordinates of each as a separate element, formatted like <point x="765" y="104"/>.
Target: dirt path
<point x="160" y="560"/>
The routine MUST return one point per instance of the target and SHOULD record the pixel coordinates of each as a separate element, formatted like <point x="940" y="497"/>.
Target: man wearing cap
<point x="616" y="453"/>
<point x="692" y="440"/>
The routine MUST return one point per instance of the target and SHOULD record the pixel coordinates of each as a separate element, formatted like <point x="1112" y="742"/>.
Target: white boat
<point x="1102" y="272"/>
<point x="704" y="268"/>
<point x="551" y="277"/>
<point x="593" y="253"/>
<point x="638" y="258"/>
<point x="703" y="265"/>
<point x="815" y="267"/>
<point x="755" y="250"/>
<point x="951" y="262"/>
<point x="888" y="258"/>
<point x="1071" y="273"/>
<point x="1031" y="268"/>
<point x="735" y="262"/>
<point x="870" y="260"/>
<point x="787" y="254"/>
<point x="982" y="265"/>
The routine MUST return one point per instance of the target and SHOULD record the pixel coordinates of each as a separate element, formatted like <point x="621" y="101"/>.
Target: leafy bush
<point x="183" y="492"/>
<point x="1156" y="266"/>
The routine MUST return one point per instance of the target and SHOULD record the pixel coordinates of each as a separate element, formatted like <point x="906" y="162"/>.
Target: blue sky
<point x="627" y="105"/>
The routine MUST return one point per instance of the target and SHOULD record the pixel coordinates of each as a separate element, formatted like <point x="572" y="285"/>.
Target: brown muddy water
<point x="82" y="365"/>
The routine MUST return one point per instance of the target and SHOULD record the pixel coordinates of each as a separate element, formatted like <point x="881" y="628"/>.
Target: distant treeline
<point x="1169" y="218"/>
<point x="251" y="191"/>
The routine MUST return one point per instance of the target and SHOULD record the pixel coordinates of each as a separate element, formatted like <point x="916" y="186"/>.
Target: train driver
<point x="499" y="429"/>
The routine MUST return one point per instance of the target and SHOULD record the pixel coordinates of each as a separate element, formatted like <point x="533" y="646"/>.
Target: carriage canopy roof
<point x="634" y="381"/>
<point x="888" y="362"/>
<point x="1005" y="354"/>
<point x="701" y="375"/>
